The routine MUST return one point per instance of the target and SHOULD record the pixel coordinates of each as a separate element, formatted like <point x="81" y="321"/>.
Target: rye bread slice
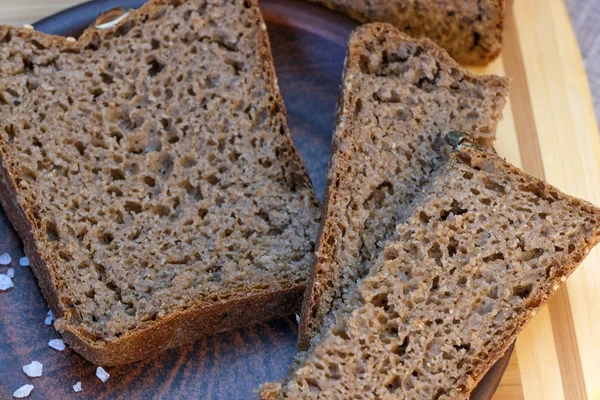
<point x="470" y="30"/>
<point x="483" y="248"/>
<point x="398" y="96"/>
<point x="150" y="173"/>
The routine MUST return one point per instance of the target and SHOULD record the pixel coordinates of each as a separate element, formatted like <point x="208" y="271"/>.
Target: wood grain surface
<point x="549" y="129"/>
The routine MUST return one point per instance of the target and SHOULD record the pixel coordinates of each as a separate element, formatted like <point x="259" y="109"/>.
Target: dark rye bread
<point x="150" y="172"/>
<point x="470" y="30"/>
<point x="483" y="248"/>
<point x="398" y="96"/>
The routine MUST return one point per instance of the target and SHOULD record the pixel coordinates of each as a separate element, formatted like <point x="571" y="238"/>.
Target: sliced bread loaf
<point x="150" y="172"/>
<point x="482" y="249"/>
<point x="470" y="30"/>
<point x="398" y="96"/>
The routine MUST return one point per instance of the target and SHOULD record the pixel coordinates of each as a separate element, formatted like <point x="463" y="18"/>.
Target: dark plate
<point x="309" y="47"/>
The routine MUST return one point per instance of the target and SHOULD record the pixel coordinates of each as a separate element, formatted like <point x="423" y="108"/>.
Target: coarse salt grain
<point x="49" y="318"/>
<point x="71" y="39"/>
<point x="23" y="391"/>
<point x="33" y="370"/>
<point x="11" y="273"/>
<point x="57" y="344"/>
<point x="297" y="318"/>
<point x="5" y="259"/>
<point x="24" y="262"/>
<point x="27" y="26"/>
<point x="5" y="282"/>
<point x="102" y="374"/>
<point x="77" y="387"/>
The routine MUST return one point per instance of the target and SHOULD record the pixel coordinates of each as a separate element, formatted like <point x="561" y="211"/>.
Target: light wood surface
<point x="550" y="130"/>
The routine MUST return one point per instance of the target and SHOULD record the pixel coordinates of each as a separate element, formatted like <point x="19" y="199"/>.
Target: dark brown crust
<point x="338" y="163"/>
<point x="478" y="55"/>
<point x="200" y="319"/>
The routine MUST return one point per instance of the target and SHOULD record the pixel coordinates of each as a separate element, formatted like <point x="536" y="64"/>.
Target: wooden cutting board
<point x="549" y="130"/>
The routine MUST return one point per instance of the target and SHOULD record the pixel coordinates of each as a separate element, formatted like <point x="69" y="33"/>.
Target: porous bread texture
<point x="153" y="172"/>
<point x="483" y="248"/>
<point x="470" y="30"/>
<point x="398" y="96"/>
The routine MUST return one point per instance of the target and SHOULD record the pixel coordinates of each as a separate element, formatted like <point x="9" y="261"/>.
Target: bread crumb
<point x="563" y="278"/>
<point x="77" y="387"/>
<point x="24" y="262"/>
<point x="57" y="344"/>
<point x="5" y="259"/>
<point x="102" y="374"/>
<point x="34" y="369"/>
<point x="10" y="272"/>
<point x="27" y="26"/>
<point x="5" y="282"/>
<point x="555" y="287"/>
<point x="23" y="391"/>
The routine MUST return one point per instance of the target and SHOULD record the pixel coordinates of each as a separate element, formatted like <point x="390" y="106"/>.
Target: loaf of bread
<point x="470" y="30"/>
<point x="149" y="170"/>
<point x="479" y="252"/>
<point x="398" y="96"/>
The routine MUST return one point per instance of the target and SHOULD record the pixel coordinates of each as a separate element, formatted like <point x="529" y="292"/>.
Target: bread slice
<point x="150" y="172"/>
<point x="470" y="30"/>
<point x="483" y="248"/>
<point x="398" y="96"/>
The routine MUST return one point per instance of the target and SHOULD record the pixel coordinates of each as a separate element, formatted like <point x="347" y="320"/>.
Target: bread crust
<point x="200" y="318"/>
<point x="338" y="164"/>
<point x="486" y="47"/>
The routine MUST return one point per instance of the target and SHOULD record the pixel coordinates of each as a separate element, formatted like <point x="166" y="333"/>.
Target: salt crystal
<point x="10" y="272"/>
<point x="5" y="259"/>
<point x="57" y="344"/>
<point x="27" y="26"/>
<point x="102" y="374"/>
<point x="34" y="369"/>
<point x="24" y="262"/>
<point x="77" y="387"/>
<point x="297" y="318"/>
<point x="49" y="318"/>
<point x="23" y="391"/>
<point x="5" y="282"/>
<point x="71" y="39"/>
